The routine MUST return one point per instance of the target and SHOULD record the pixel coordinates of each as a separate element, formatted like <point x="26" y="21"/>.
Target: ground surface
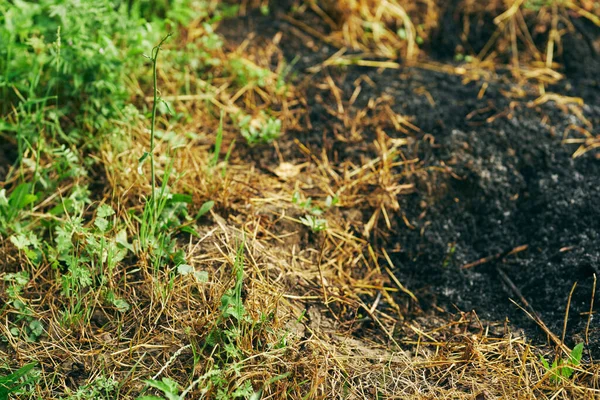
<point x="453" y="208"/>
<point x="494" y="176"/>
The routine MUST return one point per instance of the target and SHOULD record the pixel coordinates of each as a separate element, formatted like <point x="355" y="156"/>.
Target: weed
<point x="101" y="388"/>
<point x="260" y="131"/>
<point x="153" y="208"/>
<point x="248" y="73"/>
<point x="307" y="205"/>
<point x="315" y="224"/>
<point x="16" y="202"/>
<point x="79" y="240"/>
<point x="563" y="368"/>
<point x="218" y="143"/>
<point x="311" y="220"/>
<point x="167" y="386"/>
<point x="449" y="254"/>
<point x="24" y="325"/>
<point x="13" y="383"/>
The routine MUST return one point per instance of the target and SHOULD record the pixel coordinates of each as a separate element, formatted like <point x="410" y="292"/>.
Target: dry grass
<point x="326" y="316"/>
<point x="527" y="33"/>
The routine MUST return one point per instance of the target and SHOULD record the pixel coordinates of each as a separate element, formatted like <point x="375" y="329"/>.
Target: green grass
<point x="14" y="382"/>
<point x="71" y="77"/>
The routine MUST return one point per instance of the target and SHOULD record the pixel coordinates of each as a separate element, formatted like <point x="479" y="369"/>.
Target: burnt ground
<point x="512" y="183"/>
<point x="504" y="180"/>
<point x="494" y="176"/>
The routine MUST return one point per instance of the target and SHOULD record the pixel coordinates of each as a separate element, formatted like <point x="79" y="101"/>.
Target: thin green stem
<point x="154" y="59"/>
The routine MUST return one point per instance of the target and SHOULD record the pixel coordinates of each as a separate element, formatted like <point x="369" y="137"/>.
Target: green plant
<point x="248" y="73"/>
<point x="162" y="211"/>
<point x="101" y="388"/>
<point x="231" y="301"/>
<point x="461" y="57"/>
<point x="449" y="254"/>
<point x="10" y="207"/>
<point x="153" y="207"/>
<point x="308" y="206"/>
<point x="14" y="382"/>
<point x="218" y="142"/>
<point x="314" y="223"/>
<point x="563" y="368"/>
<point x="537" y="5"/>
<point x="167" y="386"/>
<point x="261" y="130"/>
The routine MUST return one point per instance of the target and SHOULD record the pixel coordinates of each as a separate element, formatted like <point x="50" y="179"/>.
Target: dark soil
<point x="495" y="177"/>
<point x="7" y="157"/>
<point x="512" y="184"/>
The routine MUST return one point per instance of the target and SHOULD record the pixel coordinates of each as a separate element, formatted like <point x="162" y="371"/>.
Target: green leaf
<point x="169" y="387"/>
<point x="185" y="269"/>
<point x="101" y="224"/>
<point x="201" y="276"/>
<point x="121" y="305"/>
<point x="544" y="363"/>
<point x="105" y="211"/>
<point x="144" y="157"/>
<point x="3" y="199"/>
<point x="121" y="239"/>
<point x="576" y="354"/>
<point x="218" y="143"/>
<point x="20" y="196"/>
<point x="190" y="230"/>
<point x="36" y="328"/>
<point x="245" y="390"/>
<point x="141" y="162"/>
<point x="20" y="241"/>
<point x="10" y="383"/>
<point x="181" y="198"/>
<point x="58" y="209"/>
<point x="206" y="207"/>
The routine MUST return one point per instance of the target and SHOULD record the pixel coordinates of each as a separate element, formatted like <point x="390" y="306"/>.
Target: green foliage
<point x="218" y="143"/>
<point x="87" y="60"/>
<point x="231" y="301"/>
<point x="307" y="205"/>
<point x="563" y="368"/>
<point x="101" y="388"/>
<point x="87" y="252"/>
<point x="312" y="219"/>
<point x="167" y="386"/>
<point x="206" y="207"/>
<point x="314" y="223"/>
<point x="247" y="73"/>
<point x="10" y="207"/>
<point x="260" y="131"/>
<point x="69" y="71"/>
<point x="14" y="382"/>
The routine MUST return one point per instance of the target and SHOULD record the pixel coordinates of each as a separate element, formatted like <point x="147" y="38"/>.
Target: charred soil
<point x="500" y="212"/>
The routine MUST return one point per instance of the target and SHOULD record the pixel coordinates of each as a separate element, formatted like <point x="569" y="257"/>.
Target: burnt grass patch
<point x="501" y="212"/>
<point x="505" y="183"/>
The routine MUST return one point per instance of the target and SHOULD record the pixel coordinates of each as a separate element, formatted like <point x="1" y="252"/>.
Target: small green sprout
<point x="257" y="132"/>
<point x="561" y="368"/>
<point x="314" y="223"/>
